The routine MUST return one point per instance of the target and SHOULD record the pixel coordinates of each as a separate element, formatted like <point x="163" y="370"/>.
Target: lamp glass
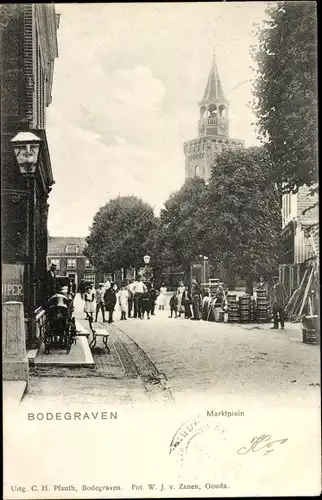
<point x="27" y="157"/>
<point x="146" y="259"/>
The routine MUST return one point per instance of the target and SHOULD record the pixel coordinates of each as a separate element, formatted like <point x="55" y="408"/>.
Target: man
<point x="138" y="289"/>
<point x="100" y="306"/>
<point x="110" y="301"/>
<point x="51" y="281"/>
<point x="278" y="302"/>
<point x="82" y="288"/>
<point x="196" y="299"/>
<point x="129" y="288"/>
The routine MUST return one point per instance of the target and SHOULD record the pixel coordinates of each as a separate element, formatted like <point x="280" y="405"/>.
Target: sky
<point x="126" y="88"/>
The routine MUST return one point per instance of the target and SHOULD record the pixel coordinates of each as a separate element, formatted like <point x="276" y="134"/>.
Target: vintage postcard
<point x="160" y="250"/>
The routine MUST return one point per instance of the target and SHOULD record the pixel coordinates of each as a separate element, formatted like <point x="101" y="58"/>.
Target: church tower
<point x="213" y="129"/>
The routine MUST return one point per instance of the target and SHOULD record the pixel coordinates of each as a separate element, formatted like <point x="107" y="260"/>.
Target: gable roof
<point x="58" y="244"/>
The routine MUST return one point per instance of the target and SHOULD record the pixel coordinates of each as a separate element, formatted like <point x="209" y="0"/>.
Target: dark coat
<point x="173" y="303"/>
<point x="195" y="289"/>
<point x="82" y="287"/>
<point x="278" y="296"/>
<point x="110" y="299"/>
<point x="51" y="284"/>
<point x="146" y="302"/>
<point x="186" y="298"/>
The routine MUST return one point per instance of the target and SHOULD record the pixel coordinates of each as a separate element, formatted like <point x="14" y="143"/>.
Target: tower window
<point x="222" y="110"/>
<point x="197" y="171"/>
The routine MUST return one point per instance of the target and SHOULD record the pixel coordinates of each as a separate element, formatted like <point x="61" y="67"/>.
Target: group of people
<point x="186" y="301"/>
<point x="134" y="298"/>
<point x="137" y="299"/>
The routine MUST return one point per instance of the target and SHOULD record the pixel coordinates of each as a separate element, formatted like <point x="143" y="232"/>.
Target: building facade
<point x="28" y="52"/>
<point x="300" y="232"/>
<point x="68" y="255"/>
<point x="213" y="130"/>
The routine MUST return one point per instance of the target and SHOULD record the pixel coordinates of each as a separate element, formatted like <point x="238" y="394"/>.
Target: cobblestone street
<point x="173" y="360"/>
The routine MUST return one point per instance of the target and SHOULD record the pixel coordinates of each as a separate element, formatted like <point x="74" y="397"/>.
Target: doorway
<point x="73" y="278"/>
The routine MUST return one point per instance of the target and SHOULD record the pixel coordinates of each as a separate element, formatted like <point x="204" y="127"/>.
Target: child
<point x="145" y="305"/>
<point x="174" y="304"/>
<point x="123" y="301"/>
<point x="90" y="305"/>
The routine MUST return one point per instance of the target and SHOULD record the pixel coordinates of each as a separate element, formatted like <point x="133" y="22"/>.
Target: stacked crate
<point x="252" y="310"/>
<point x="261" y="306"/>
<point x="244" y="308"/>
<point x="233" y="308"/>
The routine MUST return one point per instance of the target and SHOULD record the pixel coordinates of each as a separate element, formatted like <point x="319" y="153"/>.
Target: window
<point x="89" y="277"/>
<point x="71" y="248"/>
<point x="71" y="263"/>
<point x="56" y="262"/>
<point x="88" y="265"/>
<point x="286" y="206"/>
<point x="197" y="171"/>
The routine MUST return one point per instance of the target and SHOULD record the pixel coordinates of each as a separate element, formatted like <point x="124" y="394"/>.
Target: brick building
<point x="28" y="52"/>
<point x="213" y="130"/>
<point x="68" y="255"/>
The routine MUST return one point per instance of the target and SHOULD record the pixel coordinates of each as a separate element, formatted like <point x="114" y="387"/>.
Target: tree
<point x="178" y="238"/>
<point x="285" y="93"/>
<point x="241" y="216"/>
<point x="119" y="234"/>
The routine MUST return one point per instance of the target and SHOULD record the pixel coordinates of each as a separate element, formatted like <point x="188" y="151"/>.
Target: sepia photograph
<point x="160" y="250"/>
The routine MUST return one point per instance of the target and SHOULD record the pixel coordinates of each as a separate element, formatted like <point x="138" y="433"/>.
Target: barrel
<point x="311" y="330"/>
<point x="310" y="336"/>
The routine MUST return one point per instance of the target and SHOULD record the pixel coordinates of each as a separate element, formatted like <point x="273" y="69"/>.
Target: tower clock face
<point x="222" y="127"/>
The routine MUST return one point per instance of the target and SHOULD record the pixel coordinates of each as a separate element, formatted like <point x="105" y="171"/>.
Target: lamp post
<point x="146" y="272"/>
<point x="204" y="266"/>
<point x="26" y="146"/>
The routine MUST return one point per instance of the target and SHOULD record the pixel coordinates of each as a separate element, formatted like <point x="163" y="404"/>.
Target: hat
<point x="101" y="284"/>
<point x="276" y="277"/>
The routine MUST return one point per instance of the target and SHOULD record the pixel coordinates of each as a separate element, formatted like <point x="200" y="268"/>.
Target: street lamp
<point x="26" y="146"/>
<point x="147" y="259"/>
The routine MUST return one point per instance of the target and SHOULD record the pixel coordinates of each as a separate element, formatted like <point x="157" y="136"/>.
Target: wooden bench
<point x="99" y="333"/>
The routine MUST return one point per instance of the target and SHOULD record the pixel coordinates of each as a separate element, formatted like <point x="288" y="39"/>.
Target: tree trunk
<point x="249" y="285"/>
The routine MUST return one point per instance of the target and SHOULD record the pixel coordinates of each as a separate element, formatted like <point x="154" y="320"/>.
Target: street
<point x="173" y="360"/>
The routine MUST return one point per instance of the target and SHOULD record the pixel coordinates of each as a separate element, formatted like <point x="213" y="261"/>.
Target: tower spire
<point x="213" y="91"/>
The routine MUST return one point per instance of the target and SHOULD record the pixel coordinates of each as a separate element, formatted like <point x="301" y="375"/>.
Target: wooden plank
<point x="299" y="293"/>
<point x="307" y="289"/>
<point x="296" y="291"/>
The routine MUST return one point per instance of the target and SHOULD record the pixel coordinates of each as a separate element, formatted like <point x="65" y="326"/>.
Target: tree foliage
<point x="179" y="235"/>
<point x="241" y="215"/>
<point x="119" y="234"/>
<point x="285" y="92"/>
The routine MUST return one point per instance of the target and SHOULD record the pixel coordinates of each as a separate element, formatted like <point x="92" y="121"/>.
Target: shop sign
<point x="12" y="282"/>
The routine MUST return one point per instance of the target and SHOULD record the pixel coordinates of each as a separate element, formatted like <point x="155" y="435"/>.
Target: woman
<point x="180" y="291"/>
<point x="89" y="305"/>
<point x="162" y="297"/>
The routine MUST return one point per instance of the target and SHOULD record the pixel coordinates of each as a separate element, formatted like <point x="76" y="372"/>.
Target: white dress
<point x="90" y="302"/>
<point x="162" y="299"/>
<point x="180" y="291"/>
<point x="123" y="297"/>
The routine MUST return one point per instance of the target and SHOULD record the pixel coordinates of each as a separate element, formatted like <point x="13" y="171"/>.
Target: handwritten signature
<point x="264" y="442"/>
